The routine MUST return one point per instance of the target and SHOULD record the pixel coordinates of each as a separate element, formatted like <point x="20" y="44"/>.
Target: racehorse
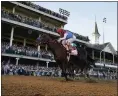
<point x="60" y="55"/>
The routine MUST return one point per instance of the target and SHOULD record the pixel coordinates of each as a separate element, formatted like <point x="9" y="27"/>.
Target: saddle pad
<point x="74" y="52"/>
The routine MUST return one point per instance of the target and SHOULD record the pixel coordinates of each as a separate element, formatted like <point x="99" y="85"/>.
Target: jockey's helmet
<point x="60" y="31"/>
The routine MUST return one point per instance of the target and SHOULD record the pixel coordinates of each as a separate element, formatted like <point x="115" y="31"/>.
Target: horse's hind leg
<point x="73" y="74"/>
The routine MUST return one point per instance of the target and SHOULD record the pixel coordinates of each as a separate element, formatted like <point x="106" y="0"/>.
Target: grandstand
<point x="22" y="22"/>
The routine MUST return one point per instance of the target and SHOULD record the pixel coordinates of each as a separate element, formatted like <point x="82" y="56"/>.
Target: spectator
<point x="28" y="51"/>
<point x="6" y="69"/>
<point x="26" y="20"/>
<point x="43" y="9"/>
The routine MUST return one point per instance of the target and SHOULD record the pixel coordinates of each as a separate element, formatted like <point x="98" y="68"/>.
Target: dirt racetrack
<point x="48" y="86"/>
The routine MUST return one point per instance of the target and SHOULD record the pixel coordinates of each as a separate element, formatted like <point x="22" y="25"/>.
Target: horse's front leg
<point x="64" y="74"/>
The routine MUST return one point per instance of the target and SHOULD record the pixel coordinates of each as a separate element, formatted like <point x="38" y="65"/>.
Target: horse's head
<point x="43" y="39"/>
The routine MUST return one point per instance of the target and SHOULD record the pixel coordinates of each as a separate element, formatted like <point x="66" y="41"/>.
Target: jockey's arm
<point x="65" y="35"/>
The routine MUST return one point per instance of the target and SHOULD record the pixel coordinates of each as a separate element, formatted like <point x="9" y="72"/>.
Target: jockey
<point x="73" y="47"/>
<point x="67" y="37"/>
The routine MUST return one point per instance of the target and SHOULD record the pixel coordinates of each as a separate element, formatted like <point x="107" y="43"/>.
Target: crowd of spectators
<point x="26" y="51"/>
<point x="104" y="74"/>
<point x="27" y="20"/>
<point x="107" y="62"/>
<point x="80" y="37"/>
<point x="28" y="3"/>
<point x="34" y="70"/>
<point x="33" y="22"/>
<point x="29" y="70"/>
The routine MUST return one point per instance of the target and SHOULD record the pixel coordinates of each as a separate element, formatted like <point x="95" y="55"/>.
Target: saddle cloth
<point x="74" y="52"/>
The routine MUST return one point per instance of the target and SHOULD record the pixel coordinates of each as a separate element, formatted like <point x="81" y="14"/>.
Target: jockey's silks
<point x="70" y="35"/>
